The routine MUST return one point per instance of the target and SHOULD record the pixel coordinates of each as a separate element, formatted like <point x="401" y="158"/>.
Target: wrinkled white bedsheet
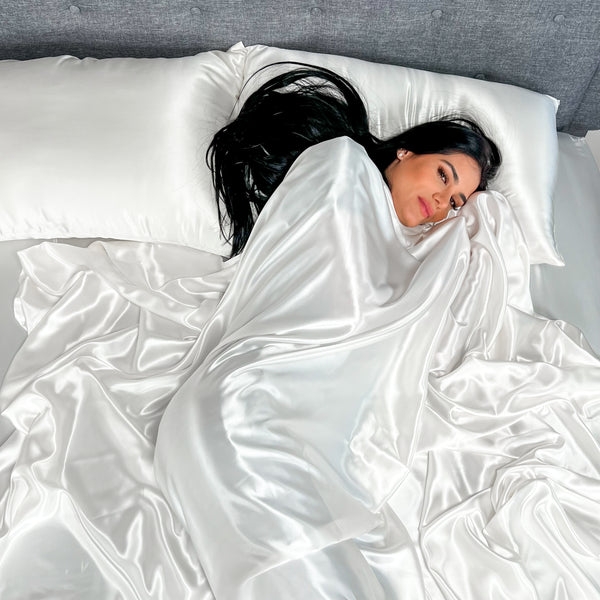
<point x="355" y="410"/>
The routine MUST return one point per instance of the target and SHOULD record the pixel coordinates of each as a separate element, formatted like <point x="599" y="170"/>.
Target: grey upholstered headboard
<point x="550" y="46"/>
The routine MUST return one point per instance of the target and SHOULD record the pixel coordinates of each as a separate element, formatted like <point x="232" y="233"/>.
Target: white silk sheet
<point x="351" y="409"/>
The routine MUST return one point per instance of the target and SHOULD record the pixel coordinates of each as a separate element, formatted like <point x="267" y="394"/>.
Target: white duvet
<point x="353" y="410"/>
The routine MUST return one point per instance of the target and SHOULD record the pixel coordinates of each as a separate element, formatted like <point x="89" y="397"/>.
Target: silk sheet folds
<point x="363" y="411"/>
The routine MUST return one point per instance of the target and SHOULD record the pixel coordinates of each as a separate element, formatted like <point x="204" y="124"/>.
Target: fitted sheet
<point x="569" y="293"/>
<point x="473" y="489"/>
<point x="572" y="293"/>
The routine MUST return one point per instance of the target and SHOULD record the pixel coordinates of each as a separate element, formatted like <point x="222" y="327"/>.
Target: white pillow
<point x="114" y="147"/>
<point x="521" y="122"/>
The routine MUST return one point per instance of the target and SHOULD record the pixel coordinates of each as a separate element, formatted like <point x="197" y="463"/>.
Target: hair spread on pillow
<point x="250" y="156"/>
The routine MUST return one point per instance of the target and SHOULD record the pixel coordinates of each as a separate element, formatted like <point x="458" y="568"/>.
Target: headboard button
<point x="195" y="10"/>
<point x="74" y="9"/>
<point x="315" y="11"/>
<point x="436" y="14"/>
<point x="559" y="18"/>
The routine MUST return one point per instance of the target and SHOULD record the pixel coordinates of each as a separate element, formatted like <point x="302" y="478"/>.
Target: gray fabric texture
<point x="550" y="46"/>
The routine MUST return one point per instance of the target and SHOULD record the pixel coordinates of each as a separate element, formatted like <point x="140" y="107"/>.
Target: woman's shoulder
<point x="341" y="144"/>
<point x="337" y="173"/>
<point x="339" y="149"/>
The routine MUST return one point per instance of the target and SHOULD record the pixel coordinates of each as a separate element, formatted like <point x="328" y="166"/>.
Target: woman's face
<point x="425" y="187"/>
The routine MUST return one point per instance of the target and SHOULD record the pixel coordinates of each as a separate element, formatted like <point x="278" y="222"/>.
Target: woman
<point x="301" y="416"/>
<point x="430" y="169"/>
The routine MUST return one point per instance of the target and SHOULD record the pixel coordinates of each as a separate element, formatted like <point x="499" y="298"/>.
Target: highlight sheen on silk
<point x="349" y="409"/>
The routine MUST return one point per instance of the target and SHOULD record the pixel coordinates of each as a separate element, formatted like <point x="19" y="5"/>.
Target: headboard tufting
<point x="550" y="46"/>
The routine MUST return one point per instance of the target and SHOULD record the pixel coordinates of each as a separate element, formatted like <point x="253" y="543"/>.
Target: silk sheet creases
<point x="353" y="410"/>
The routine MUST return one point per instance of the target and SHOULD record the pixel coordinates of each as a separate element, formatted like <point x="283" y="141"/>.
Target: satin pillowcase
<point x="114" y="148"/>
<point x="521" y="122"/>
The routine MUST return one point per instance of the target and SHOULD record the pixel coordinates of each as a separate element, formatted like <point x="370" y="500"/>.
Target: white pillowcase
<point x="114" y="148"/>
<point x="521" y="122"/>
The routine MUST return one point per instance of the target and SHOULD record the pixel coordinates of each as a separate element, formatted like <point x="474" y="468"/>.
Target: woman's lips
<point x="425" y="208"/>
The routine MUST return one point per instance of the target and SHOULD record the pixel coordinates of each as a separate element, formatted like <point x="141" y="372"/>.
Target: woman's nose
<point x="441" y="199"/>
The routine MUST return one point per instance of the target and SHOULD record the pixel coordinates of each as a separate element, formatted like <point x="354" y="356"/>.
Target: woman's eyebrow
<point x="454" y="173"/>
<point x="456" y="180"/>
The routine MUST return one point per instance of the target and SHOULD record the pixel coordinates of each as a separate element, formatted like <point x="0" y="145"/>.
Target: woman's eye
<point x="453" y="204"/>
<point x="443" y="175"/>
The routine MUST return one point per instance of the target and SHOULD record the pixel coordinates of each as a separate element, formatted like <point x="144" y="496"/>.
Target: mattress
<point x="159" y="420"/>
<point x="569" y="293"/>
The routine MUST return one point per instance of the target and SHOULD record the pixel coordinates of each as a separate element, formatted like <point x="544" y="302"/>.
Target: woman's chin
<point x="410" y="220"/>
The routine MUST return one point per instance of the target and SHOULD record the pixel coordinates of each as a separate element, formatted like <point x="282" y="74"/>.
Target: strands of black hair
<point x="289" y="113"/>
<point x="250" y="156"/>
<point x="447" y="135"/>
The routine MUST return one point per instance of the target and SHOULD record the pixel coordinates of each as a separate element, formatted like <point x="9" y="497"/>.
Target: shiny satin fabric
<point x="114" y="147"/>
<point x="111" y="335"/>
<point x="350" y="358"/>
<point x="353" y="410"/>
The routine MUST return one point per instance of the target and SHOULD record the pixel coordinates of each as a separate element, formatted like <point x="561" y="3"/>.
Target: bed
<point x="349" y="409"/>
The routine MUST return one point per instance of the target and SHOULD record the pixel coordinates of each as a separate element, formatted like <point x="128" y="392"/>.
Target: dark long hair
<point x="250" y="156"/>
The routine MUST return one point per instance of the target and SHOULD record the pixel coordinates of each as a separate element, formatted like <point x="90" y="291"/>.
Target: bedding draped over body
<point x="354" y="410"/>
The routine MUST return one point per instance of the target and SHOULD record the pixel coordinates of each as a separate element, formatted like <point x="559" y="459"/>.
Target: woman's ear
<point x="403" y="153"/>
